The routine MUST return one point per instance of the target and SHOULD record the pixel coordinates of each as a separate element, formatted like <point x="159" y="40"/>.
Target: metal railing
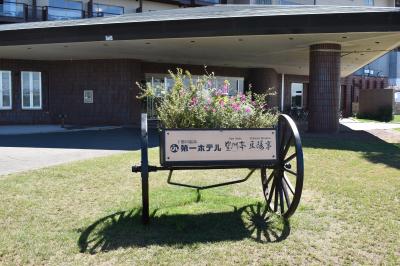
<point x="97" y="14"/>
<point x="311" y="2"/>
<point x="104" y="10"/>
<point x="13" y="10"/>
<point x="283" y="2"/>
<point x="62" y="13"/>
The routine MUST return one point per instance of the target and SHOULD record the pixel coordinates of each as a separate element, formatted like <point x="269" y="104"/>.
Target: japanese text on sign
<point x="220" y="145"/>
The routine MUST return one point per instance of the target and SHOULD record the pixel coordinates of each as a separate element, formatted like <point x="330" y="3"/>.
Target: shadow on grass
<point x="372" y="148"/>
<point x="124" y="229"/>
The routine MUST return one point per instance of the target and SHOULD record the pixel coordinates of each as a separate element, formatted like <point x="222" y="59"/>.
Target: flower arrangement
<point x="199" y="104"/>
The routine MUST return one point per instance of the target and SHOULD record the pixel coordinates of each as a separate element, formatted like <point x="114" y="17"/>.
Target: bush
<point x="198" y="104"/>
<point x="384" y="114"/>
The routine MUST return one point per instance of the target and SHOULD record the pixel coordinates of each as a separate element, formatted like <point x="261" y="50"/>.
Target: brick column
<point x="324" y="87"/>
<point x="263" y="79"/>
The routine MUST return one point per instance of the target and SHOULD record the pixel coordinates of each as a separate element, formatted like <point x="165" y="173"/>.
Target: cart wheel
<point x="282" y="188"/>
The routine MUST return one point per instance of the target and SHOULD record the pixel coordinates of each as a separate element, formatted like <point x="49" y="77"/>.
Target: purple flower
<point x="247" y="110"/>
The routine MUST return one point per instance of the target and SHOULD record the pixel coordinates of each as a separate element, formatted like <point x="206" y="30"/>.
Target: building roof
<point x="211" y="21"/>
<point x="201" y="13"/>
<point x="276" y="37"/>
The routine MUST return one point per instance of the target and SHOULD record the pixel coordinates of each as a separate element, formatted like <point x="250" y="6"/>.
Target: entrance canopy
<point x="276" y="37"/>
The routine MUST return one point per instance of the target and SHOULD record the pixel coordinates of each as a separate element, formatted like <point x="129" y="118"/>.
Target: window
<point x="11" y="8"/>
<point x="62" y="9"/>
<point x="369" y="2"/>
<point x="5" y="90"/>
<point x="297" y="95"/>
<point x="31" y="90"/>
<point x="164" y="83"/>
<point x="66" y="4"/>
<point x="397" y="97"/>
<point x="102" y="10"/>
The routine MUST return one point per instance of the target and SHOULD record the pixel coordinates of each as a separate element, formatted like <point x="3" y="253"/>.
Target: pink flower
<point x="222" y="102"/>
<point x="194" y="101"/>
<point x="243" y="98"/>
<point x="225" y="88"/>
<point x="248" y="109"/>
<point x="236" y="107"/>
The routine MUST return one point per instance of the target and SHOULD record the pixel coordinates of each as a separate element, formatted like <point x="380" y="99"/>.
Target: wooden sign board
<point x="180" y="147"/>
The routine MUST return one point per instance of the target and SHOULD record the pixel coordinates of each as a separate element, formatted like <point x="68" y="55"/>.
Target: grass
<point x="87" y="213"/>
<point x="396" y="119"/>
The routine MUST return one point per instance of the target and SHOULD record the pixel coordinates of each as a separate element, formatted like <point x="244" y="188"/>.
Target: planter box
<point x="218" y="147"/>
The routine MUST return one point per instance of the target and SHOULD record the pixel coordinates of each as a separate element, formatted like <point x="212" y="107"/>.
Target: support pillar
<point x="324" y="88"/>
<point x="262" y="80"/>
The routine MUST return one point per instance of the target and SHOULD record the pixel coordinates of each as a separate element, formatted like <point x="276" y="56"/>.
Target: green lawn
<point x="86" y="213"/>
<point x="396" y="119"/>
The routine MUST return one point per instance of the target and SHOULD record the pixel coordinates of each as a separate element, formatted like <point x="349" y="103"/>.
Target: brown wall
<point x="265" y="80"/>
<point x="194" y="69"/>
<point x="113" y="85"/>
<point x="115" y="90"/>
<point x="63" y="83"/>
<point x="371" y="101"/>
<point x="17" y="115"/>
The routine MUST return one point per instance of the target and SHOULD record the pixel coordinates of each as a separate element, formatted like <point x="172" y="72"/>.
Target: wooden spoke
<point x="287" y="146"/>
<point x="290" y="171"/>
<point x="281" y="197"/>
<point x="271" y="193"/>
<point x="289" y="185"/>
<point x="276" y="197"/>
<point x="265" y="180"/>
<point x="270" y="176"/>
<point x="287" y="198"/>
<point x="291" y="157"/>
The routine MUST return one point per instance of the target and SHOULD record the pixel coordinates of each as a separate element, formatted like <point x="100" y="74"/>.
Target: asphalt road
<point x="26" y="152"/>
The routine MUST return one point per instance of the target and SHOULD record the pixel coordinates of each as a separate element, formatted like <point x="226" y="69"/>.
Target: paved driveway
<point x="384" y="131"/>
<point x="33" y="151"/>
<point x="365" y="126"/>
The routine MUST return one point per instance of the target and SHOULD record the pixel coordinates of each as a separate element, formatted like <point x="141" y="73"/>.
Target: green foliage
<point x="199" y="104"/>
<point x="384" y="114"/>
